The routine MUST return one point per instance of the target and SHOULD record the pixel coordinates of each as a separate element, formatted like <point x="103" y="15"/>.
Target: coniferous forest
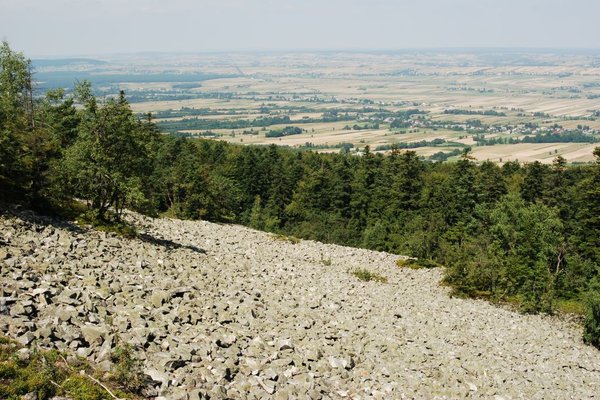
<point x="527" y="234"/>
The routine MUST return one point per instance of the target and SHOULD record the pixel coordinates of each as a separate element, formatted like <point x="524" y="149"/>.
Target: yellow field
<point x="560" y="89"/>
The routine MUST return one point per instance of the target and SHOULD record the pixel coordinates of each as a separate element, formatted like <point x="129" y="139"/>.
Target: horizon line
<point x="324" y="50"/>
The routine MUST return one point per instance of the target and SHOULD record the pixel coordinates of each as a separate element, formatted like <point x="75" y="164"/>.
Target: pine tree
<point x="15" y="125"/>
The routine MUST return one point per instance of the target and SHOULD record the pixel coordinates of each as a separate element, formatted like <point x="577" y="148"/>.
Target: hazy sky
<point x="70" y="27"/>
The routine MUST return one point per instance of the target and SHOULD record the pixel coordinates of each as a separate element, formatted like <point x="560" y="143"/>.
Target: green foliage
<point x="108" y="161"/>
<point x="416" y="263"/>
<point x="287" y="131"/>
<point x="127" y="371"/>
<point x="368" y="276"/>
<point x="121" y="228"/>
<point x="289" y="239"/>
<point x="79" y="387"/>
<point x="46" y="374"/>
<point x="516" y="253"/>
<point x="591" y="330"/>
<point x="325" y="260"/>
<point x="256" y="218"/>
<point x="571" y="306"/>
<point x="15" y="117"/>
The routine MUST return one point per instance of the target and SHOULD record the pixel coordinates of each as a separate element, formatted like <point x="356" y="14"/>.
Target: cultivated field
<point x="494" y="94"/>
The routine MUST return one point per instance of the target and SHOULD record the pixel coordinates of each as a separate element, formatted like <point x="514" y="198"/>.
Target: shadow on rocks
<point x="42" y="220"/>
<point x="169" y="244"/>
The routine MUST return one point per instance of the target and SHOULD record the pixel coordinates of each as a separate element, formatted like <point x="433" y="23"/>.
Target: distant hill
<point x="62" y="62"/>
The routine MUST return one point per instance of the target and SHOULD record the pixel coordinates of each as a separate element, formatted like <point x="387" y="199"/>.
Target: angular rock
<point x="93" y="334"/>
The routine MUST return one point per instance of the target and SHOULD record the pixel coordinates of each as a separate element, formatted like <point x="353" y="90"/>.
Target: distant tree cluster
<point x="563" y="137"/>
<point x="457" y="111"/>
<point x="287" y="131"/>
<point x="412" y="145"/>
<point x="196" y="123"/>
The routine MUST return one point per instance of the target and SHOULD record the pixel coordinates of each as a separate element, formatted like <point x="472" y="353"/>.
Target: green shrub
<point x="325" y="261"/>
<point x="127" y="371"/>
<point x="47" y="374"/>
<point x="367" y="276"/>
<point x="284" y="238"/>
<point x="417" y="263"/>
<point x="591" y="327"/>
<point x="120" y="227"/>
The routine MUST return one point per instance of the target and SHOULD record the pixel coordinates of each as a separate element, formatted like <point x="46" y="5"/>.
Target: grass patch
<point x="417" y="263"/>
<point x="368" y="276"/>
<point x="47" y="374"/>
<point x="325" y="261"/>
<point x="571" y="306"/>
<point x="284" y="238"/>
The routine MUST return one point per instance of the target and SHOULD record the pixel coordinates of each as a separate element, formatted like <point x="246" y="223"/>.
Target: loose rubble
<point x="222" y="311"/>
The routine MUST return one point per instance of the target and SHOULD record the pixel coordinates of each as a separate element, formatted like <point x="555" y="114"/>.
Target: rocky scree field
<point x="222" y="311"/>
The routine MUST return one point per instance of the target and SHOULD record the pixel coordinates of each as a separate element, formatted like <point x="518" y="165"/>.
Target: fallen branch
<point x="96" y="381"/>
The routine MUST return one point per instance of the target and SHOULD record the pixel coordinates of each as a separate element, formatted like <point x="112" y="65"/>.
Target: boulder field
<point x="222" y="311"/>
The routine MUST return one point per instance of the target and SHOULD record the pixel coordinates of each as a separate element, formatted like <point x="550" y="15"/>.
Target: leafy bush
<point x="591" y="328"/>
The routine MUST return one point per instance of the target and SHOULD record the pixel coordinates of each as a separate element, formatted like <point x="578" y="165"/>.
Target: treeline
<point x="260" y="122"/>
<point x="549" y="137"/>
<point x="187" y="111"/>
<point x="527" y="234"/>
<point x="444" y="156"/>
<point x="287" y="131"/>
<point x="420" y="143"/>
<point x="456" y="111"/>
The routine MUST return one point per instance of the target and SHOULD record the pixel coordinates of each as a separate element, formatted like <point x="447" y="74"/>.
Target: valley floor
<point x="225" y="311"/>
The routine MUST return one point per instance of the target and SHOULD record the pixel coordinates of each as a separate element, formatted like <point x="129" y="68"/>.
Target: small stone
<point x="39" y="291"/>
<point x="105" y="350"/>
<point x="26" y="338"/>
<point x="157" y="376"/>
<point x="268" y="386"/>
<point x="175" y="364"/>
<point x="285" y="344"/>
<point x="158" y="298"/>
<point x="195" y="394"/>
<point x="65" y="313"/>
<point x="17" y="309"/>
<point x="105" y="366"/>
<point x="84" y="352"/>
<point x="341" y="363"/>
<point x="23" y="354"/>
<point x="93" y="334"/>
<point x="226" y="341"/>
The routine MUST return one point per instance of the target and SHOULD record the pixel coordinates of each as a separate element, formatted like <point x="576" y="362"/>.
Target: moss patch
<point x="47" y="374"/>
